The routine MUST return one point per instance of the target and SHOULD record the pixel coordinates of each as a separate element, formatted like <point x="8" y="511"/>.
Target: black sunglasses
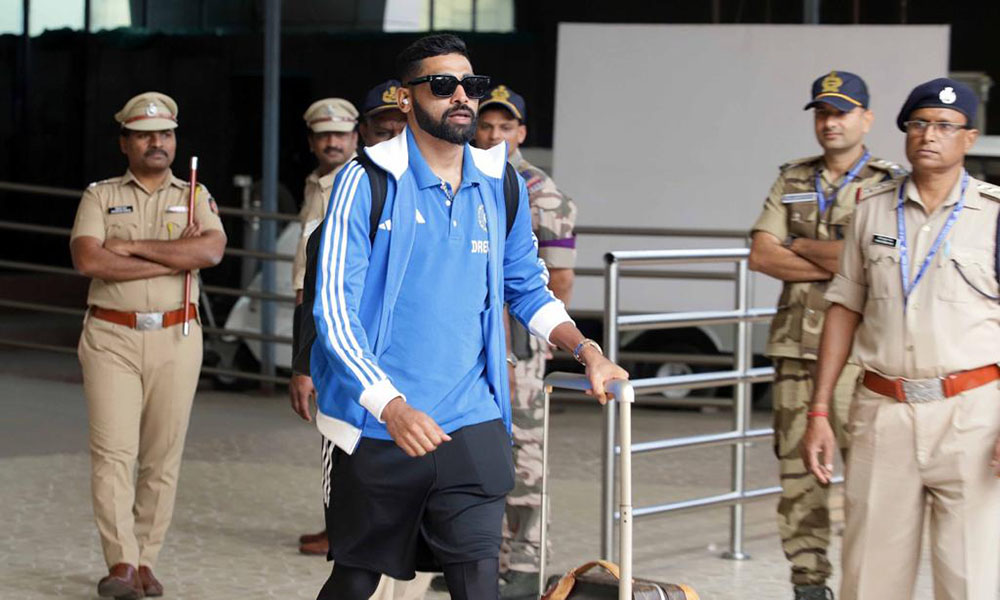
<point x="475" y="86"/>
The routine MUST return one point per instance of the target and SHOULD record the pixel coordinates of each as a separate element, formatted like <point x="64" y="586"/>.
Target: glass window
<point x="55" y="14"/>
<point x="109" y="14"/>
<point x="495" y="15"/>
<point x="11" y="16"/>
<point x="454" y="15"/>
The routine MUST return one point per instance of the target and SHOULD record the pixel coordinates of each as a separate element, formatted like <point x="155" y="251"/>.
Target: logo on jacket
<point x="481" y="216"/>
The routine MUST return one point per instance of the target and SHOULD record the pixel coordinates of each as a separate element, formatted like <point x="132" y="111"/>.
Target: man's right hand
<point x="301" y="392"/>
<point x="412" y="430"/>
<point x="818" y="447"/>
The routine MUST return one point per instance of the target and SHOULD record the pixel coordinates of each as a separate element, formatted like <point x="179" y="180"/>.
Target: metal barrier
<point x="741" y="377"/>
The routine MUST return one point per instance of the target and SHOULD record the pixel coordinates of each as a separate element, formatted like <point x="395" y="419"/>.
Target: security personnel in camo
<point x="140" y="372"/>
<point x="502" y="117"/>
<point x="798" y="239"/>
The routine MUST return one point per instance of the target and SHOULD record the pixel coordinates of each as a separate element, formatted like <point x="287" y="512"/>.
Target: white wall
<point x="685" y="125"/>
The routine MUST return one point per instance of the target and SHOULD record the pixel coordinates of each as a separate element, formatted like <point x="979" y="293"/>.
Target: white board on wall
<point x="686" y="125"/>
<point x="657" y="123"/>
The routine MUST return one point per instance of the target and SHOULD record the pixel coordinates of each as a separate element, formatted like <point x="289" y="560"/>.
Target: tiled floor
<point x="250" y="485"/>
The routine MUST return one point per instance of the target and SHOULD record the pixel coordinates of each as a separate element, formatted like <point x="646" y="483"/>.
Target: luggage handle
<point x="567" y="581"/>
<point x="625" y="395"/>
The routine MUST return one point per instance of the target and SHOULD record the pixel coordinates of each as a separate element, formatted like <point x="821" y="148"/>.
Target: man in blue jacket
<point x="410" y="352"/>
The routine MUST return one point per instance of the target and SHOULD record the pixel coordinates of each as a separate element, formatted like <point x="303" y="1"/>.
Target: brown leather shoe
<point x="309" y="538"/>
<point x="121" y="583"/>
<point x="318" y="548"/>
<point x="150" y="585"/>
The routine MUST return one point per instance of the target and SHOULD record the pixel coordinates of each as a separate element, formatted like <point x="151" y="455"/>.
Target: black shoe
<point x="813" y="592"/>
<point x="438" y="584"/>
<point x="520" y="585"/>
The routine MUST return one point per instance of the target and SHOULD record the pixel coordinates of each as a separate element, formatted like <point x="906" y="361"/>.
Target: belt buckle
<point x="919" y="391"/>
<point x="150" y="321"/>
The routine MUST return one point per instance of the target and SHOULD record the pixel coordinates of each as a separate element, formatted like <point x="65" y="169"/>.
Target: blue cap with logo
<point x="841" y="90"/>
<point x="503" y="96"/>
<point x="381" y="97"/>
<point x="940" y="93"/>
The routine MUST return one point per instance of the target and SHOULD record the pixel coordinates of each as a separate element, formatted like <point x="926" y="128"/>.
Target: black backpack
<point x="303" y="325"/>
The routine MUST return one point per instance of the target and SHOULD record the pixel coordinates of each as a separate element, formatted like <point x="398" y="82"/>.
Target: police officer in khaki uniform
<point x="333" y="140"/>
<point x="139" y="371"/>
<point x="917" y="294"/>
<point x="553" y="215"/>
<point x="798" y="239"/>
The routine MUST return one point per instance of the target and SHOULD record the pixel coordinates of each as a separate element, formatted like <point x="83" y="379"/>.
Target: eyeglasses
<point x="475" y="86"/>
<point x="943" y="127"/>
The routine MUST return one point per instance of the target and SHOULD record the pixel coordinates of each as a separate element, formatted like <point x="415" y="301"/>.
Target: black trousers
<point x="476" y="580"/>
<point x="393" y="514"/>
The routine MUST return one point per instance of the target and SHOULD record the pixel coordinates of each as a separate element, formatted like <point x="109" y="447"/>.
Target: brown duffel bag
<point x="585" y="583"/>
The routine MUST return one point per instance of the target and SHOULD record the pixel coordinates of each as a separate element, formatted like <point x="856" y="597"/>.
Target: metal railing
<point x="250" y="255"/>
<point x="742" y="377"/>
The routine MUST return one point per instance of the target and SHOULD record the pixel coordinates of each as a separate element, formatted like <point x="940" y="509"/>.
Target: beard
<point x="442" y="129"/>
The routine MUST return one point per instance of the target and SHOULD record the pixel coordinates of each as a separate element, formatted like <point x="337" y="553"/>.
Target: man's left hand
<point x="600" y="371"/>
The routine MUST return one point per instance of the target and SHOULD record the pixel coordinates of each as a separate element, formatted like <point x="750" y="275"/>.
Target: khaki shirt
<point x="316" y="196"/>
<point x="947" y="326"/>
<point x="792" y="209"/>
<point x="553" y="215"/>
<point x="121" y="208"/>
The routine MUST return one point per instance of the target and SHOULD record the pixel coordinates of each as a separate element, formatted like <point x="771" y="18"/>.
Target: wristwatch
<point x="512" y="359"/>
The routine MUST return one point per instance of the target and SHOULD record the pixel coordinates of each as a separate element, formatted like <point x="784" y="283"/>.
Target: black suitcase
<point x="585" y="582"/>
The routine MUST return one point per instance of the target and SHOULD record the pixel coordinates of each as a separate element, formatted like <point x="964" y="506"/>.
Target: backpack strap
<point x="511" y="196"/>
<point x="378" y="180"/>
<point x="996" y="250"/>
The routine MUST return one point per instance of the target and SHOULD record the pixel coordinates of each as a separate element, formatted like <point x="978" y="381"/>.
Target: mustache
<point x="333" y="148"/>
<point x="460" y="109"/>
<point x="154" y="151"/>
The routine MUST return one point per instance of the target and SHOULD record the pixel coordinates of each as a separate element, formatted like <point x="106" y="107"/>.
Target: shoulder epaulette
<point x="990" y="191"/>
<point x="105" y="181"/>
<point x="799" y="161"/>
<point x="895" y="171"/>
<point x="875" y="190"/>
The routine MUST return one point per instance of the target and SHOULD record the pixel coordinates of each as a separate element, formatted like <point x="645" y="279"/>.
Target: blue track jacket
<point x="357" y="283"/>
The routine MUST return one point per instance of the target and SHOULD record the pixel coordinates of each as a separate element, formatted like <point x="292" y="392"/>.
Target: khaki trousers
<point x="139" y="387"/>
<point x="908" y="459"/>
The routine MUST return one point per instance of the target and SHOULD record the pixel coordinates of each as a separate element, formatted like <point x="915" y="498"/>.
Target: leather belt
<point x="144" y="321"/>
<point x="916" y="391"/>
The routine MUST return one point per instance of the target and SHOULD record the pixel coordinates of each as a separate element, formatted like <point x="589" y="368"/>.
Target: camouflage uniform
<point x="803" y="515"/>
<point x="552" y="218"/>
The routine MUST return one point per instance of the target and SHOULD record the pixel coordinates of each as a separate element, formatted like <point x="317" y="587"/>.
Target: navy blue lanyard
<point x="848" y="178"/>
<point x="904" y="258"/>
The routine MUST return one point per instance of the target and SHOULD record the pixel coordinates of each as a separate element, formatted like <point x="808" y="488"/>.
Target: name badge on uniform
<point x="884" y="240"/>
<point x="796" y="198"/>
<point x="119" y="210"/>
<point x="177" y="208"/>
